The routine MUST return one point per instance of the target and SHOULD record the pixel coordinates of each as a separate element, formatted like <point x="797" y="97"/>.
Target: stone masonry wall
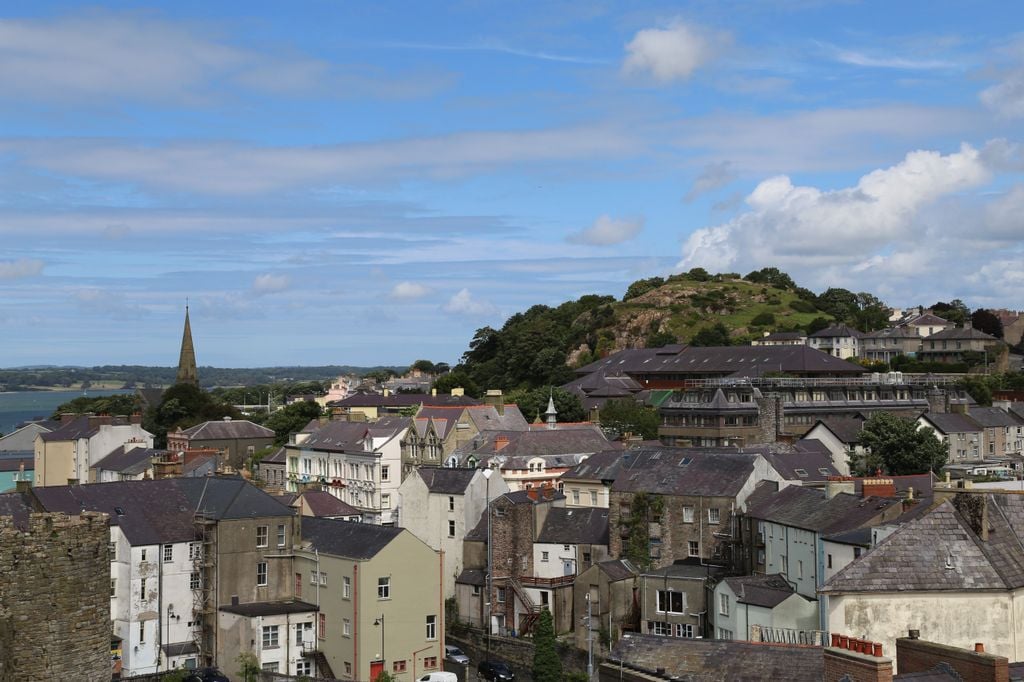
<point x="55" y="599"/>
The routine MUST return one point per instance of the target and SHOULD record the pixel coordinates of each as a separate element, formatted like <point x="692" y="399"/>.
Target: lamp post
<point x="488" y="472"/>
<point x="380" y="622"/>
<point x="590" y="641"/>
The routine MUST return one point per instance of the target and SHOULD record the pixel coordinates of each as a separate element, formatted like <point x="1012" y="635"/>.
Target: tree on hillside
<point x="533" y="403"/>
<point x="456" y="379"/>
<point x="897" y="447"/>
<point x="109" y="404"/>
<point x="642" y="286"/>
<point x="987" y="321"/>
<point x="956" y="311"/>
<point x="547" y="666"/>
<point x="772" y="277"/>
<point x="425" y="366"/>
<point x="816" y="325"/>
<point x="625" y="415"/>
<point x="291" y="418"/>
<point x="715" y="335"/>
<point x="184" y="405"/>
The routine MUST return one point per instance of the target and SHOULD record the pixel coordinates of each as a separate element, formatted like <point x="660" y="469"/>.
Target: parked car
<point x="454" y="654"/>
<point x="495" y="671"/>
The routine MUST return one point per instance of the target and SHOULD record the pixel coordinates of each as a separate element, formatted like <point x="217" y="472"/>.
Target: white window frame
<point x="384" y="587"/>
<point x="262" y="571"/>
<point x="262" y="536"/>
<point x="687" y="514"/>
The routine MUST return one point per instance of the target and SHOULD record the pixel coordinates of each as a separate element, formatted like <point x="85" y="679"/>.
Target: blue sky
<point x="364" y="183"/>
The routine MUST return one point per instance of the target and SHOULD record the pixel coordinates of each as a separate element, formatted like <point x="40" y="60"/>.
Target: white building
<point x="67" y="454"/>
<point x="359" y="462"/>
<point x="440" y="505"/>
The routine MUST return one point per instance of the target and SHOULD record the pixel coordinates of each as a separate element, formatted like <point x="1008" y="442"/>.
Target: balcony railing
<point x="560" y="581"/>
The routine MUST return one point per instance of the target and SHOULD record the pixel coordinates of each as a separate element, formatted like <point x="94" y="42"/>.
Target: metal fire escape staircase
<point x="532" y="610"/>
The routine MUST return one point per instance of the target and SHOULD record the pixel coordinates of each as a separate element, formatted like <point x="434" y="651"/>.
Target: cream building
<point x="958" y="579"/>
<point x="380" y="597"/>
<point x="67" y="454"/>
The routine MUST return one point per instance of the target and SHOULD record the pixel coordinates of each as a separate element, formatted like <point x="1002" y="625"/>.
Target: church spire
<point x="187" y="373"/>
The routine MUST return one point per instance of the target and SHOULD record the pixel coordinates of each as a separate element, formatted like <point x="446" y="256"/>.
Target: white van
<point x="439" y="677"/>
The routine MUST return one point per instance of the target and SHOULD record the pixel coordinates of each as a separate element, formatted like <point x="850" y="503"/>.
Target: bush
<point x="763" y="320"/>
<point x="802" y="306"/>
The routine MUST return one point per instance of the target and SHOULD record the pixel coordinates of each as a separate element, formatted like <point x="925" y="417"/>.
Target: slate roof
<point x="808" y="508"/>
<point x="807" y="460"/>
<point x="951" y="422"/>
<point x="713" y="660"/>
<point x="200" y="465"/>
<point x="846" y="429"/>
<point x="837" y="331"/>
<point x="396" y="400"/>
<point x="163" y="511"/>
<point x="279" y="456"/>
<point x="15" y="463"/>
<point x="722" y="361"/>
<point x="348" y="539"/>
<point x="938" y="552"/>
<point x="79" y="427"/>
<point x="926" y="320"/>
<point x="618" y="569"/>
<point x="684" y="471"/>
<point x="445" y="481"/>
<point x="891" y="332"/>
<point x="541" y="442"/>
<point x="472" y="576"/>
<point x="767" y="591"/>
<point x="600" y="466"/>
<point x="486" y="418"/>
<point x="961" y="334"/>
<point x="132" y="462"/>
<point x="993" y="417"/>
<point x="338" y="436"/>
<point x="227" y="429"/>
<point x="269" y="608"/>
<point x="323" y="504"/>
<point x="575" y="526"/>
<point x="17" y="506"/>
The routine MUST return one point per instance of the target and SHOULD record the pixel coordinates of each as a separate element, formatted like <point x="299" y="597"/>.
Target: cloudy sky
<point x="363" y="183"/>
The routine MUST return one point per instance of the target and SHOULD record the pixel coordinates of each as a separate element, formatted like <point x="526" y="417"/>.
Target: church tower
<point x="187" y="373"/>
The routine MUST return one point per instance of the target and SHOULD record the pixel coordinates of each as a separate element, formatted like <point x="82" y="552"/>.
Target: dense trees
<point x="956" y="311"/>
<point x="112" y="404"/>
<point x="291" y="418"/>
<point x="987" y="321"/>
<point x="715" y="335"/>
<point x="625" y="415"/>
<point x="184" y="405"/>
<point x="897" y="447"/>
<point x="533" y="403"/>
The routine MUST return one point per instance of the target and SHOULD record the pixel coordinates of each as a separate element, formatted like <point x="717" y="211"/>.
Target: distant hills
<point x="138" y="376"/>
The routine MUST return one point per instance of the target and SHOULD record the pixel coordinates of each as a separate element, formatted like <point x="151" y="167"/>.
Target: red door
<point x="376" y="668"/>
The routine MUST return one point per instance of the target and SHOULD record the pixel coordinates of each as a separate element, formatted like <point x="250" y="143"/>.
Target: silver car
<point x="453" y="654"/>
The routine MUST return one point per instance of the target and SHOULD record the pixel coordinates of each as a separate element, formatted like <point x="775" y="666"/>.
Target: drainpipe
<point x="159" y="601"/>
<point x="355" y="617"/>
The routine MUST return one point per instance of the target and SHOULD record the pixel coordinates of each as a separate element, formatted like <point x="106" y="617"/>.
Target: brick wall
<point x="512" y="532"/>
<point x="855" y="660"/>
<point x="916" y="655"/>
<point x="55" y="598"/>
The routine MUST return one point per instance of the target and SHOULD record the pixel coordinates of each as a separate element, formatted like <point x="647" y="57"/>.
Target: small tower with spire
<point x="187" y="373"/>
<point x="551" y="411"/>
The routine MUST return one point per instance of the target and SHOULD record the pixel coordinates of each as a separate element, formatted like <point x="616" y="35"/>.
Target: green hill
<point x="543" y="344"/>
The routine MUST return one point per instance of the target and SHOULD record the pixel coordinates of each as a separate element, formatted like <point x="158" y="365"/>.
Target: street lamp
<point x="488" y="472"/>
<point x="380" y="622"/>
<point x="590" y="641"/>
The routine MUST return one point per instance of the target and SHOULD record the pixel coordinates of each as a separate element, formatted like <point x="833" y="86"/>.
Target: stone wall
<point x="55" y="598"/>
<point x="517" y="652"/>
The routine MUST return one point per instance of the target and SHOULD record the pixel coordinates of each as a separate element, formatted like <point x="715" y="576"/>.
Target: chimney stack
<point x="850" y="658"/>
<point x="914" y="655"/>
<point x="495" y="399"/>
<point x="878" y="487"/>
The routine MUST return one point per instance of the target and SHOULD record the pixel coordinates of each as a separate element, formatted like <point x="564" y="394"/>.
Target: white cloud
<point x="670" y="53"/>
<point x="229" y="168"/>
<point x="269" y="284"/>
<point x="715" y="175"/>
<point x="607" y="231"/>
<point x="463" y="303"/>
<point x="858" y="227"/>
<point x="96" y="55"/>
<point x="23" y="267"/>
<point x="857" y="58"/>
<point x="1006" y="98"/>
<point x="409" y="291"/>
